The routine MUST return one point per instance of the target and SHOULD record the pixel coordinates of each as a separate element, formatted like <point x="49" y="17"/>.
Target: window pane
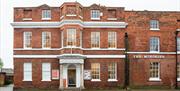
<point x="27" y="71"/>
<point x="112" y="70"/>
<point x="154" y="44"/>
<point x="71" y="37"/>
<point x="46" y="13"/>
<point x="46" y="71"/>
<point x="154" y="70"/>
<point x="46" y="39"/>
<point x="95" y="39"/>
<point x="178" y="70"/>
<point x="178" y="43"/>
<point x="112" y="39"/>
<point x="154" y="24"/>
<point x="27" y="39"/>
<point x="95" y="70"/>
<point x="95" y="14"/>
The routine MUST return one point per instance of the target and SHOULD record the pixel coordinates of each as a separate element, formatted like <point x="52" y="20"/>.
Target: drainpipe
<point x="126" y="76"/>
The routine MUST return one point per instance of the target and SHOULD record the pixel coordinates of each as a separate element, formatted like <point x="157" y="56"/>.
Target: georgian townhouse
<point x="95" y="47"/>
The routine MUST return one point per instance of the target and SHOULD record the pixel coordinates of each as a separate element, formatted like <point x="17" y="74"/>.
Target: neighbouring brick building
<point x="77" y="46"/>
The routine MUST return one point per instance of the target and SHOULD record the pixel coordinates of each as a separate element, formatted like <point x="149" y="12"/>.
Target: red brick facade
<point x="137" y="28"/>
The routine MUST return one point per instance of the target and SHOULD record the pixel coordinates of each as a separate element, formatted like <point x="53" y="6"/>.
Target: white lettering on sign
<point x="149" y="56"/>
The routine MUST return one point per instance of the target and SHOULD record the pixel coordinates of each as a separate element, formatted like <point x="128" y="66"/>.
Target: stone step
<point x="71" y="89"/>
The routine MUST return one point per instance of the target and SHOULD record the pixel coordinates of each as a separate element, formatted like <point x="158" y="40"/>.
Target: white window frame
<point x="97" y="34"/>
<point x="154" y="25"/>
<point x="155" y="78"/>
<point x="27" y="71"/>
<point x="44" y="71"/>
<point x="44" y="34"/>
<point x="95" y="14"/>
<point x="150" y="43"/>
<point x="98" y="70"/>
<point x="26" y="40"/>
<point x="111" y="79"/>
<point x="74" y="45"/>
<point x="112" y="35"/>
<point x="46" y="14"/>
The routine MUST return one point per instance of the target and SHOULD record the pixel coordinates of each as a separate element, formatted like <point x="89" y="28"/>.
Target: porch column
<point x="82" y="76"/>
<point x="61" y="77"/>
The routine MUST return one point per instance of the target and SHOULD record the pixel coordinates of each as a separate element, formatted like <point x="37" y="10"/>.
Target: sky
<point x="6" y="16"/>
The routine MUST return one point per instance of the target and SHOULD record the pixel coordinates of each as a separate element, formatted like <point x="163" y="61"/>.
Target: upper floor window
<point x="154" y="71"/>
<point x="27" y="14"/>
<point x="27" y="40"/>
<point x="46" y="72"/>
<point x="27" y="74"/>
<point x="95" y="71"/>
<point x="71" y="37"/>
<point x="111" y="39"/>
<point x="46" y="14"/>
<point x="46" y="39"/>
<point x="178" y="44"/>
<point x="95" y="39"/>
<point x="112" y="71"/>
<point x="95" y="14"/>
<point x="154" y="25"/>
<point x="154" y="44"/>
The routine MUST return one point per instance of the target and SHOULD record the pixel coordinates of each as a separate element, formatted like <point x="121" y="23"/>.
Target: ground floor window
<point x="95" y="71"/>
<point x="46" y="72"/>
<point x="178" y="71"/>
<point x="154" y="71"/>
<point x="27" y="72"/>
<point x="112" y="71"/>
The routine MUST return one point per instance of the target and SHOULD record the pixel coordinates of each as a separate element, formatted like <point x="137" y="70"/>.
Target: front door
<point x="71" y="77"/>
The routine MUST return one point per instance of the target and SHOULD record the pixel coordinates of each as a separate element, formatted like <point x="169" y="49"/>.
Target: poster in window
<point x="87" y="75"/>
<point x="55" y="74"/>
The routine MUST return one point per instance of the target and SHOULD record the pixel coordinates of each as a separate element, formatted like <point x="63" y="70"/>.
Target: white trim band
<point x="90" y="24"/>
<point x="152" y="52"/>
<point x="92" y="49"/>
<point x="56" y="56"/>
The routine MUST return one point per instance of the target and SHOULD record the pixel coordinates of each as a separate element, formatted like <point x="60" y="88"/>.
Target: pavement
<point x="7" y="88"/>
<point x="10" y="88"/>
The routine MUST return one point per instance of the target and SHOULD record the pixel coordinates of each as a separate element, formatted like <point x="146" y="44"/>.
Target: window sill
<point x="47" y="48"/>
<point x="95" y="48"/>
<point x="27" y="80"/>
<point x="112" y="48"/>
<point x="154" y="79"/>
<point x="95" y="18"/>
<point x="27" y="48"/>
<point x="154" y="51"/>
<point x="154" y="29"/>
<point x="111" y="18"/>
<point x="178" y="79"/>
<point x="71" y="46"/>
<point x="112" y="80"/>
<point x="46" y="80"/>
<point x="46" y="19"/>
<point x="27" y="19"/>
<point x="71" y="15"/>
<point x="95" y="80"/>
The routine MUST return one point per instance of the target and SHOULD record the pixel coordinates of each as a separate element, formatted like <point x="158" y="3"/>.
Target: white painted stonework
<point x="64" y="66"/>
